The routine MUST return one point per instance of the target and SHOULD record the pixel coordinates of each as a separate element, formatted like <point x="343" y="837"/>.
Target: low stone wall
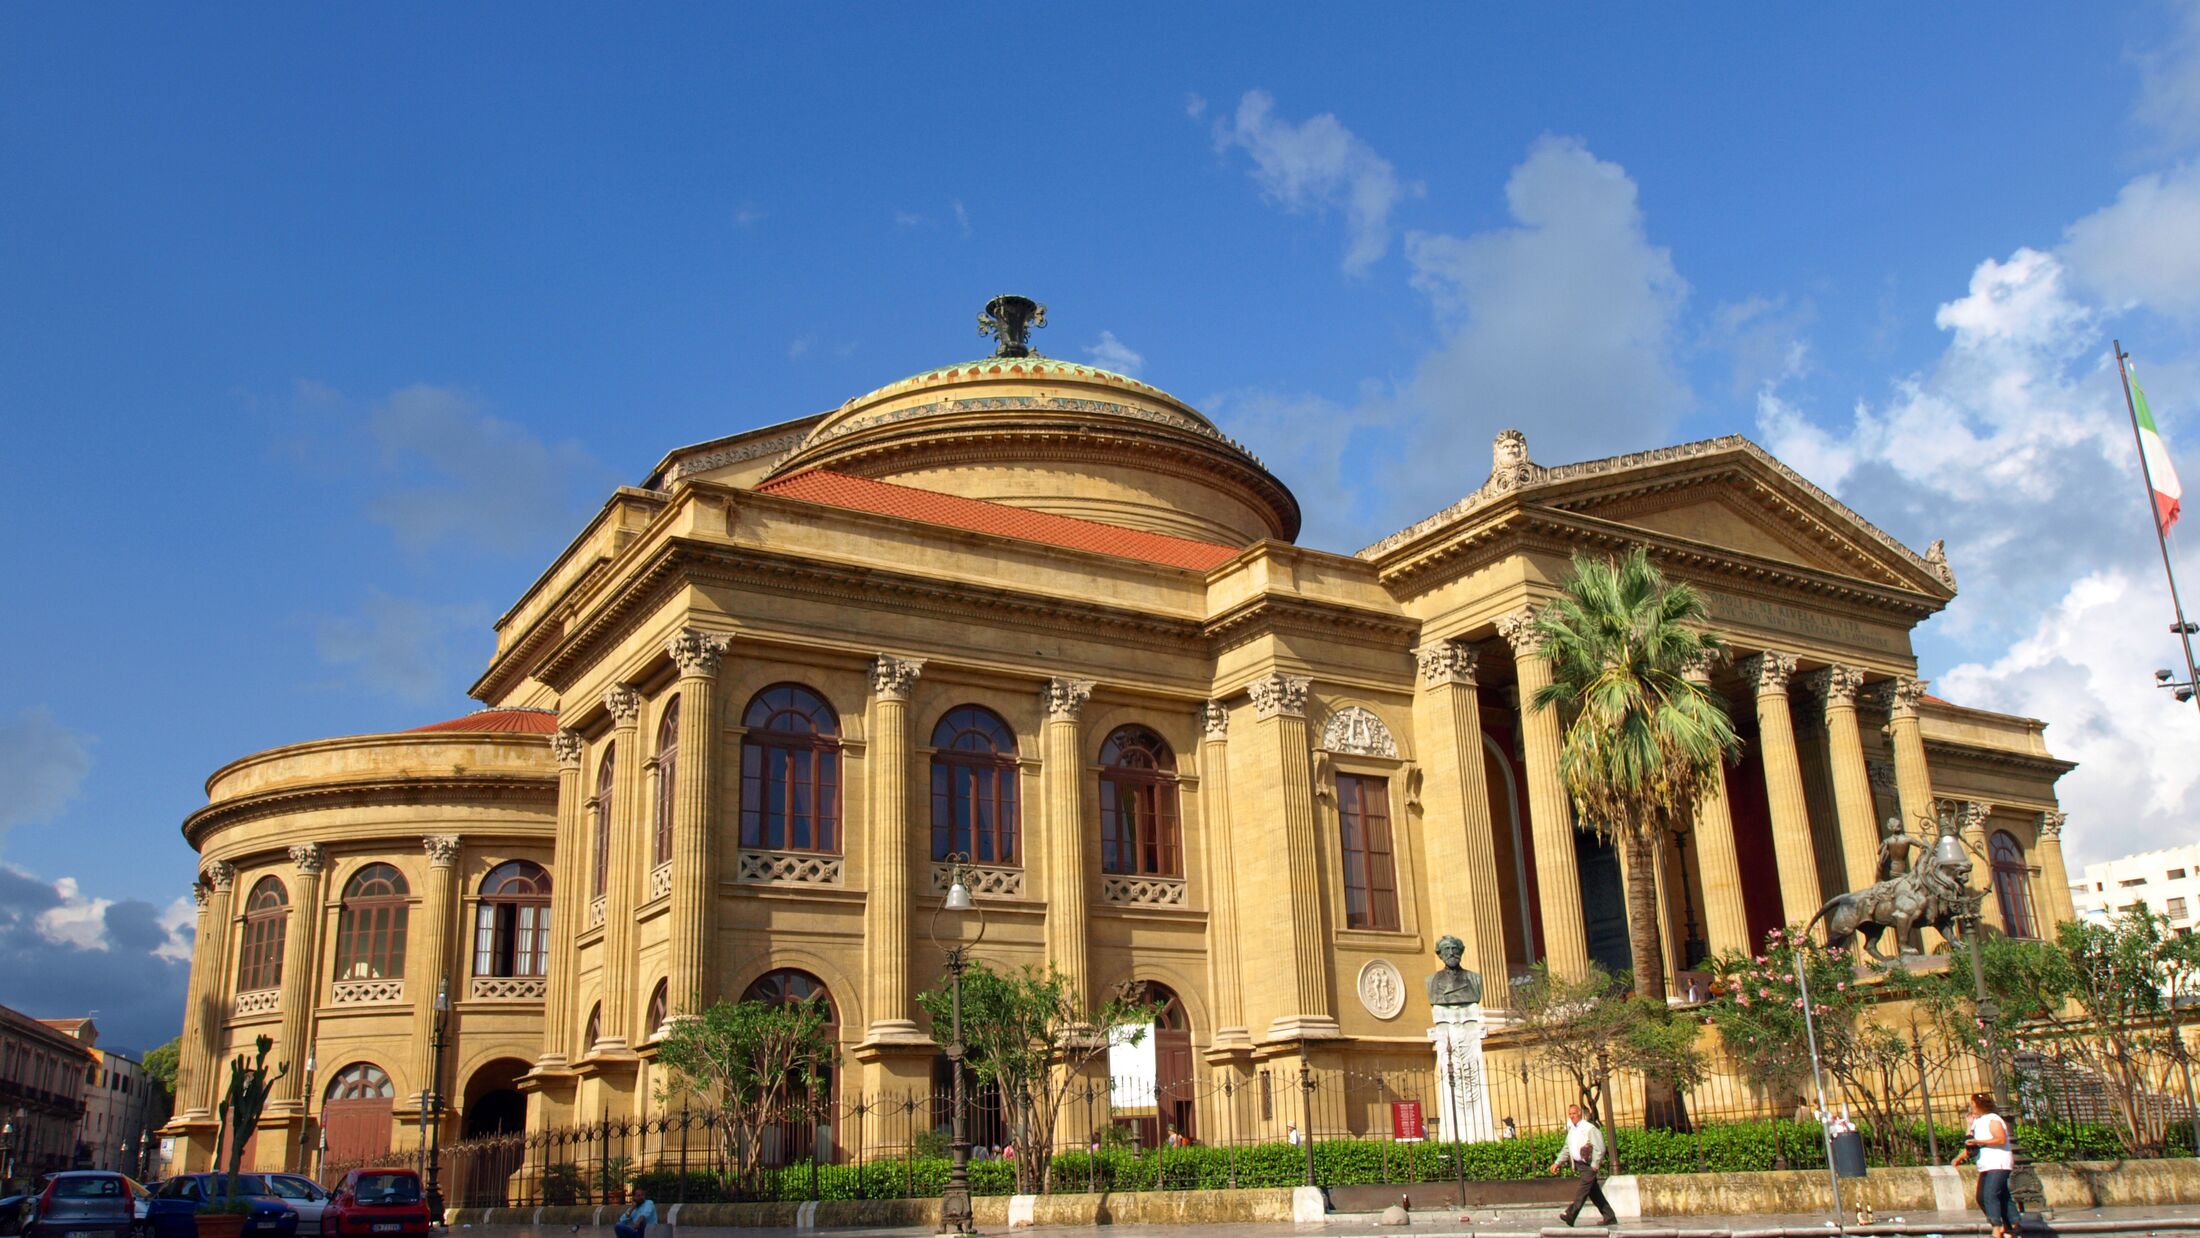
<point x="2080" y="1184"/>
<point x="992" y="1212"/>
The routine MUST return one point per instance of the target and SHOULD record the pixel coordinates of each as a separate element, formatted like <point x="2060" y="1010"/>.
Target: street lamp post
<point x="435" y="1092"/>
<point x="7" y="1152"/>
<point x="955" y="1213"/>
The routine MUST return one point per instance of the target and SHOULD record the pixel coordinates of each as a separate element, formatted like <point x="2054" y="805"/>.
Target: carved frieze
<point x="1359" y="732"/>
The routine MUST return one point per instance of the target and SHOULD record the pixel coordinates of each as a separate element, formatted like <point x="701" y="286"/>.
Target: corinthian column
<point x="625" y="705"/>
<point x="568" y="870"/>
<point x="694" y="842"/>
<point x="1557" y="868"/>
<point x="1718" y="862"/>
<point x="1060" y="769"/>
<point x="1973" y="816"/>
<point x="1289" y="961"/>
<point x="213" y="951"/>
<point x="1852" y="784"/>
<point x="887" y="909"/>
<point x="2052" y="873"/>
<point x="1455" y="799"/>
<point x="1231" y="1031"/>
<point x="432" y="939"/>
<point x="1913" y="781"/>
<point x="192" y="1054"/>
<point x="301" y="960"/>
<point x="1791" y="843"/>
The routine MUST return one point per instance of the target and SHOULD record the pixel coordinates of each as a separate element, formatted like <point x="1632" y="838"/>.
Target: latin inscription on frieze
<point x="1817" y="625"/>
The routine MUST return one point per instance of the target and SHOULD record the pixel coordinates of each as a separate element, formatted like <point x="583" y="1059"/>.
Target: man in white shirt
<point x="1581" y="1155"/>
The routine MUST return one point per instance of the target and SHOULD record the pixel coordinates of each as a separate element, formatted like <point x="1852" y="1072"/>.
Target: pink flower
<point x="1760" y="960"/>
<point x="1790" y="977"/>
<point x="1842" y="987"/>
<point x="1742" y="1001"/>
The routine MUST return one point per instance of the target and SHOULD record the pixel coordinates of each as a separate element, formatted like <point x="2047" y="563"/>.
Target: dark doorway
<point x="1603" y="901"/>
<point x="494" y="1104"/>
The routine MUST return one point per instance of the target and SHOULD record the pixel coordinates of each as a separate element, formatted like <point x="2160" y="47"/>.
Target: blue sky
<point x="324" y="328"/>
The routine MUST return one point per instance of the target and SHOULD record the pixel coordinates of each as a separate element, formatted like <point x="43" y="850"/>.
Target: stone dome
<point x="1057" y="437"/>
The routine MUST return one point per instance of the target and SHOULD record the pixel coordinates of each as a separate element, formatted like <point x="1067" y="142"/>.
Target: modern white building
<point x="2165" y="882"/>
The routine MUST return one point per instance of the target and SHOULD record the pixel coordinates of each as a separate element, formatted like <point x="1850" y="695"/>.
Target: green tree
<point x="753" y="1061"/>
<point x="160" y="1066"/>
<point x="1643" y="743"/>
<point x="1026" y="1033"/>
<point x="1581" y="1030"/>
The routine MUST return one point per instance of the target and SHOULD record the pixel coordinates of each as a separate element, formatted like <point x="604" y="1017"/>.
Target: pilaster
<point x="301" y="960"/>
<point x="1557" y="867"/>
<point x="1231" y="1034"/>
<point x="1067" y="932"/>
<point x="1292" y="959"/>
<point x="568" y="871"/>
<point x="432" y="937"/>
<point x="2052" y="872"/>
<point x="1792" y="849"/>
<point x="888" y="908"/>
<point x="1455" y="806"/>
<point x="213" y="997"/>
<point x="695" y="862"/>
<point x="627" y="844"/>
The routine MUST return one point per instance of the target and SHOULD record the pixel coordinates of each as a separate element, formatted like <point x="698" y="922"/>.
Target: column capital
<point x="1214" y="720"/>
<point x="1518" y="629"/>
<point x="1279" y="695"/>
<point x="442" y="849"/>
<point x="1768" y="671"/>
<point x="1904" y="693"/>
<point x="624" y="703"/>
<point x="566" y="747"/>
<point x="1063" y="699"/>
<point x="1840" y="685"/>
<point x="221" y="874"/>
<point x="892" y="677"/>
<point x="310" y="858"/>
<point x="697" y="652"/>
<point x="1975" y="814"/>
<point x="2051" y="823"/>
<point x="1447" y="662"/>
<point x="200" y="894"/>
<point x="1700" y="664"/>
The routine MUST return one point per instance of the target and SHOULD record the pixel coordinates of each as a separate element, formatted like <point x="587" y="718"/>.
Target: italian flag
<point x="2160" y="472"/>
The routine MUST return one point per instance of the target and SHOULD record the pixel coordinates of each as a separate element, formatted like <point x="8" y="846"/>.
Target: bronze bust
<point x="1453" y="985"/>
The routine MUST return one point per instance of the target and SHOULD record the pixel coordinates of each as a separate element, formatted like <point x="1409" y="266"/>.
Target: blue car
<point x="175" y="1209"/>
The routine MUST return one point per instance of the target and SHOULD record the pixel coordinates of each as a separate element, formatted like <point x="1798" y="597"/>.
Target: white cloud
<point x="907" y="219"/>
<point x="1113" y="354"/>
<point x="403" y="647"/>
<point x="1195" y="106"/>
<point x="77" y="921"/>
<point x="2144" y="248"/>
<point x="180" y="925"/>
<point x="962" y="216"/>
<point x="748" y="214"/>
<point x="1307" y="440"/>
<point x="1318" y="166"/>
<point x="42" y="766"/>
<point x="2169" y="75"/>
<point x="466" y="475"/>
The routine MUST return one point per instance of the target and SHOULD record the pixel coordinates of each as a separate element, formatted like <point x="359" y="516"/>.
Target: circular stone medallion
<point x="1382" y="989"/>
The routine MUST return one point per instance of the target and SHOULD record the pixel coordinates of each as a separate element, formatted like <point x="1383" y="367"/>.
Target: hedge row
<point x="1723" y="1147"/>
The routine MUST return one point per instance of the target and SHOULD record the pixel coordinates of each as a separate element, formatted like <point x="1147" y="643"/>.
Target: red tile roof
<point x="521" y="721"/>
<point x="980" y="516"/>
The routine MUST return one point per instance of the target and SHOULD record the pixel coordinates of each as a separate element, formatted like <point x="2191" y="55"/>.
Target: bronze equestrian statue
<point x="1936" y="892"/>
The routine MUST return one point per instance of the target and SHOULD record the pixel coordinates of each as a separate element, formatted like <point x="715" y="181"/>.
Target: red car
<point x="372" y="1202"/>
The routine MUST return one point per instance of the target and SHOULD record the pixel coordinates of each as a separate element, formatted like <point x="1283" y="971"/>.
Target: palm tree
<point x="1643" y="742"/>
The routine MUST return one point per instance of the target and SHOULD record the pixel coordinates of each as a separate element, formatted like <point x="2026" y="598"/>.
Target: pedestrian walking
<point x="637" y="1218"/>
<point x="1990" y="1145"/>
<point x="1582" y="1154"/>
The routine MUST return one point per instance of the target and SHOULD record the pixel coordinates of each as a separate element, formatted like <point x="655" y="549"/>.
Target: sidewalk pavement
<point x="1488" y="1223"/>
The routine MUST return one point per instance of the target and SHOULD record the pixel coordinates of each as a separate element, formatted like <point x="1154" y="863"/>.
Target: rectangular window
<point x="2176" y="909"/>
<point x="2175" y="874"/>
<point x="2129" y="882"/>
<point x="1370" y="873"/>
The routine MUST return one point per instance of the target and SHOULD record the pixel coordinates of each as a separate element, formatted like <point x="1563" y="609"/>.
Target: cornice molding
<point x="1268" y="613"/>
<point x="2049" y="768"/>
<point x="428" y="790"/>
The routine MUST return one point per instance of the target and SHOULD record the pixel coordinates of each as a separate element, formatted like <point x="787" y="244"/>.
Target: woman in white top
<point x="1996" y="1157"/>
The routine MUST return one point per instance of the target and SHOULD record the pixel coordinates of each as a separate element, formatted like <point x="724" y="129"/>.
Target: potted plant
<point x="563" y="1184"/>
<point x="614" y="1174"/>
<point x="223" y="1215"/>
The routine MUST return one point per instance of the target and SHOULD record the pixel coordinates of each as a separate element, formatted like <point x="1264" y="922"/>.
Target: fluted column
<point x="2057" y="903"/>
<point x="695" y="860"/>
<point x="568" y="877"/>
<point x="1455" y="798"/>
<point x="1972" y="816"/>
<point x="301" y="965"/>
<point x="1718" y="862"/>
<point x="625" y="706"/>
<point x="1792" y="850"/>
<point x="1912" y="779"/>
<point x="1852" y="785"/>
<point x="1060" y="770"/>
<point x="1557" y="868"/>
<point x="1231" y="1031"/>
<point x="213" y="949"/>
<point x="1292" y="959"/>
<point x="432" y="937"/>
<point x="887" y="909"/>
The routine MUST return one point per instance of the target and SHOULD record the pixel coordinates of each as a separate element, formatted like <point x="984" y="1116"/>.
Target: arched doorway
<point x="1151" y="1083"/>
<point x="794" y="1138"/>
<point x="493" y="1103"/>
<point x="355" y="1116"/>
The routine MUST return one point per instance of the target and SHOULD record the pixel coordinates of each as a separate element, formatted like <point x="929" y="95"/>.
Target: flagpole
<point x="2161" y="536"/>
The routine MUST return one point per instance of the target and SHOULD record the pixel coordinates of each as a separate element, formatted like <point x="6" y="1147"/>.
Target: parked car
<point x="370" y="1202"/>
<point x="175" y="1211"/>
<point x="305" y="1196"/>
<point x="83" y="1202"/>
<point x="12" y="1207"/>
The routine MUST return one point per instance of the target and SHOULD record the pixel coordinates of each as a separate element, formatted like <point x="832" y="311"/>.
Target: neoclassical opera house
<point x="1049" y="616"/>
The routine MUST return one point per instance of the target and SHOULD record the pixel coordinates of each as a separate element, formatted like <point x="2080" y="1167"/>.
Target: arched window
<point x="512" y="925"/>
<point x="260" y="955"/>
<point x="790" y="772"/>
<point x="361" y="1081"/>
<point x="370" y="938"/>
<point x="660" y="1008"/>
<point x="599" y="814"/>
<point x="786" y="986"/>
<point x="974" y="788"/>
<point x="2012" y="884"/>
<point x="668" y="776"/>
<point x="595" y="1028"/>
<point x="1138" y="817"/>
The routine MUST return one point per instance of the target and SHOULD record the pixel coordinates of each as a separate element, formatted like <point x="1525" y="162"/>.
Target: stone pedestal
<point x="1462" y="1101"/>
